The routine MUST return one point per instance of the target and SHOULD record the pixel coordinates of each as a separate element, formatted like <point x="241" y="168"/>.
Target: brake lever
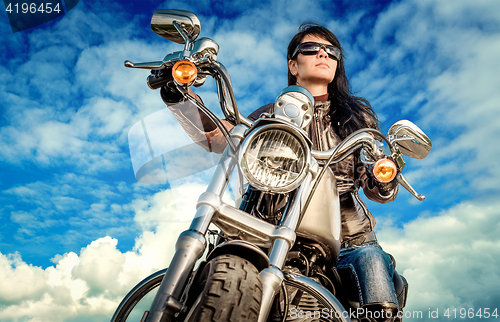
<point x="150" y="65"/>
<point x="402" y="181"/>
<point x="156" y="65"/>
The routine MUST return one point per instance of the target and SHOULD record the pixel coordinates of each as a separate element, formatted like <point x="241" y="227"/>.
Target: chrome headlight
<point x="275" y="157"/>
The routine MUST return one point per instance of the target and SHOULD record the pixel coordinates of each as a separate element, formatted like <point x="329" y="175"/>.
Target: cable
<point x="341" y="145"/>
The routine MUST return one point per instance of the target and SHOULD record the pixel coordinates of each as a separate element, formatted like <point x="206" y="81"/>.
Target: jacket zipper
<point x="316" y="130"/>
<point x="363" y="206"/>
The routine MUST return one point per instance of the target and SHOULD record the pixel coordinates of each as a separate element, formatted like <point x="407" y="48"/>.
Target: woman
<point x="316" y="62"/>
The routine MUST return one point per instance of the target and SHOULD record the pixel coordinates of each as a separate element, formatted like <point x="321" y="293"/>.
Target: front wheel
<point x="231" y="291"/>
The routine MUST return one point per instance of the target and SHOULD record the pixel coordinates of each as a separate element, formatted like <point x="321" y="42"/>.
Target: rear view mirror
<point x="410" y="139"/>
<point x="179" y="26"/>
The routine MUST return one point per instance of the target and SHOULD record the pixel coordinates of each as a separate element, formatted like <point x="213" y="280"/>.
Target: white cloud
<point x="169" y="206"/>
<point x="433" y="252"/>
<point x="450" y="259"/>
<point x="49" y="212"/>
<point x="87" y="286"/>
<point x="63" y="291"/>
<point x="72" y="101"/>
<point x="20" y="281"/>
<point x="450" y="77"/>
<point x="436" y="64"/>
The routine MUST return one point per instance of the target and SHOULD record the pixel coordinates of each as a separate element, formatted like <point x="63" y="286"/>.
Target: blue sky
<point x="76" y="229"/>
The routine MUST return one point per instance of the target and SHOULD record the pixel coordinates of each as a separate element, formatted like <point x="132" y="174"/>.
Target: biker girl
<point x="316" y="62"/>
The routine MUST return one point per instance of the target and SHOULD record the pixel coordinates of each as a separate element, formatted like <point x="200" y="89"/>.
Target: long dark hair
<point x="348" y="113"/>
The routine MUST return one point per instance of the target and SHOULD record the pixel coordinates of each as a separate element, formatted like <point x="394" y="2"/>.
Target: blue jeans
<point x="370" y="270"/>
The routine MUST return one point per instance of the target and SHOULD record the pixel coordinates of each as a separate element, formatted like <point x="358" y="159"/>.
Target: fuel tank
<point x="321" y="222"/>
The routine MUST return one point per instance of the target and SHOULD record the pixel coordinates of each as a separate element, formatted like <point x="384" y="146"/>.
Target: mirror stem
<point x="187" y="42"/>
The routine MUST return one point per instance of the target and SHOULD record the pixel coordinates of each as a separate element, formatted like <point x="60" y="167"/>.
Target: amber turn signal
<point x="385" y="170"/>
<point x="184" y="72"/>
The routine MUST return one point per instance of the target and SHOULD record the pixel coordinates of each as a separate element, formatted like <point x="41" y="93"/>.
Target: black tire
<point x="232" y="291"/>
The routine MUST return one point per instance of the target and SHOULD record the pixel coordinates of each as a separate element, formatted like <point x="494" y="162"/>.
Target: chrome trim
<point x="237" y="224"/>
<point x="354" y="141"/>
<point x="291" y="219"/>
<point x="168" y="60"/>
<point x="266" y="118"/>
<point x="278" y="253"/>
<point x="216" y="187"/>
<point x="298" y="89"/>
<point x="345" y="148"/>
<point x="239" y="132"/>
<point x="321" y="221"/>
<point x="271" y="279"/>
<point x="243" y="249"/>
<point x="410" y="139"/>
<point x="285" y="128"/>
<point x="203" y="50"/>
<point x="188" y="249"/>
<point x="136" y="294"/>
<point x="163" y="20"/>
<point x="156" y="65"/>
<point x="210" y="115"/>
<point x="171" y="58"/>
<point x="402" y="181"/>
<point x="314" y="168"/>
<point x="397" y="156"/>
<point x="298" y="100"/>
<point x="185" y="35"/>
<point x="191" y="244"/>
<point x="226" y="95"/>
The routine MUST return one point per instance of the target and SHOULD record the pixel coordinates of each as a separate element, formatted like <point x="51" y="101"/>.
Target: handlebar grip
<point x="160" y="79"/>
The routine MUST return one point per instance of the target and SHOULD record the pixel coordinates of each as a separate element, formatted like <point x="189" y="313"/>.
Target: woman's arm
<point x="200" y="128"/>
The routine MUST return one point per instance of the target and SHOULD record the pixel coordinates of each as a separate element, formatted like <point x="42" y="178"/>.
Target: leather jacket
<point x="350" y="172"/>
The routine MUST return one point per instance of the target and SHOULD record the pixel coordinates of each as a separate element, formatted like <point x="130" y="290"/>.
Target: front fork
<point x="272" y="277"/>
<point x="191" y="243"/>
<point x="189" y="247"/>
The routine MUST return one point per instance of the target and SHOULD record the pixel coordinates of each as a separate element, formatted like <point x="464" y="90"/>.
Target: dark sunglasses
<point x="312" y="48"/>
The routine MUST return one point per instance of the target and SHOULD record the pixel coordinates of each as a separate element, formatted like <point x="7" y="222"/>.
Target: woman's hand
<point x="385" y="188"/>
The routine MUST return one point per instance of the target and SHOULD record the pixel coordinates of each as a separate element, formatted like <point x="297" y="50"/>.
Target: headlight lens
<point x="274" y="159"/>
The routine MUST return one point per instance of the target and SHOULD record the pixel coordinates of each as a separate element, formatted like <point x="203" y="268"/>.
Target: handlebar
<point x="356" y="140"/>
<point x="227" y="101"/>
<point x="226" y="95"/>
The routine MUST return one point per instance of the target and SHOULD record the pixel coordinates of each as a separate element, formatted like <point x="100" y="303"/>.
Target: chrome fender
<point x="243" y="249"/>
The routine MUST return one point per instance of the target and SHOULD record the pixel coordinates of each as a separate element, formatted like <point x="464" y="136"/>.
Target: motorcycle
<point x="274" y="255"/>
